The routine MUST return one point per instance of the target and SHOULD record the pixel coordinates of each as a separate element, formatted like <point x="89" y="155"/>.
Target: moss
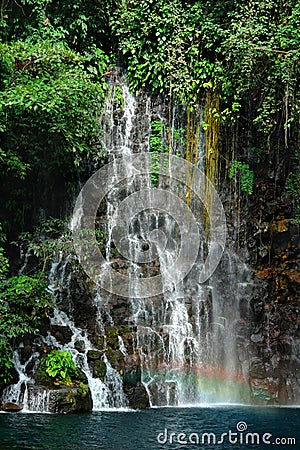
<point x="112" y="338"/>
<point x="98" y="342"/>
<point x="94" y="355"/>
<point x="73" y="399"/>
<point x="83" y="390"/>
<point x="99" y="369"/>
<point x="110" y="353"/>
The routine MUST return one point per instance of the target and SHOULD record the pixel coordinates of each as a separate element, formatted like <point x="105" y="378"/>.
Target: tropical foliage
<point x="24" y="306"/>
<point x="24" y="302"/>
<point x="240" y="60"/>
<point x="60" y="366"/>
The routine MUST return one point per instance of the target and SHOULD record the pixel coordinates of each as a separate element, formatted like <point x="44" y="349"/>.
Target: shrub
<point x="6" y="364"/>
<point x="60" y="366"/>
<point x="24" y="303"/>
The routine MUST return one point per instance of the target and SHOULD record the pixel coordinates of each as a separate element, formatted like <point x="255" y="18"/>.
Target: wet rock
<point x="80" y="346"/>
<point x="62" y="400"/>
<point x="163" y="393"/>
<point x="98" y="341"/>
<point x="62" y="334"/>
<point x="137" y="397"/>
<point x="10" y="407"/>
<point x="116" y="358"/>
<point x="256" y="338"/>
<point x="257" y="369"/>
<point x="85" y="313"/>
<point x="26" y="352"/>
<point x="258" y="307"/>
<point x="119" y="313"/>
<point x="73" y="400"/>
<point x="99" y="369"/>
<point x="132" y="378"/>
<point x="93" y="355"/>
<point x="112" y="338"/>
<point x="290" y="390"/>
<point x="260" y="392"/>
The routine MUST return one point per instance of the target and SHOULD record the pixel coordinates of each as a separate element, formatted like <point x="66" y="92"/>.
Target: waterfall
<point x="105" y="394"/>
<point x="18" y="393"/>
<point x="189" y="340"/>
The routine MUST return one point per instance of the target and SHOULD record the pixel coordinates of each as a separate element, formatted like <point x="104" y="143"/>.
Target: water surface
<point x="158" y="428"/>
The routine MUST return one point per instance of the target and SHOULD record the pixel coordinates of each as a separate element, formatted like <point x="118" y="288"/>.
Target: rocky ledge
<point x="62" y="400"/>
<point x="10" y="407"/>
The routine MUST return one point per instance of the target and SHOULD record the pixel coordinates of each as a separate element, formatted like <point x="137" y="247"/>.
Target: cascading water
<point x="187" y="339"/>
<point x="105" y="394"/>
<point x="18" y="393"/>
<point x="190" y="348"/>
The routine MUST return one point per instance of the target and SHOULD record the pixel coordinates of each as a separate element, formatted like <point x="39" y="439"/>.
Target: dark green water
<point x="138" y="430"/>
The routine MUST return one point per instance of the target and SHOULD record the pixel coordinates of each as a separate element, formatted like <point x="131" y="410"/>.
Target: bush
<point x="60" y="366"/>
<point x="6" y="364"/>
<point x="24" y="303"/>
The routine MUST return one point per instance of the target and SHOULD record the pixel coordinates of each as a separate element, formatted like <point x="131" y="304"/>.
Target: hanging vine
<point x="211" y="125"/>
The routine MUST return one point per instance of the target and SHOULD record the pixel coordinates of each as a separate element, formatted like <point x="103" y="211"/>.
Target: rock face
<point x="273" y="252"/>
<point x="274" y="375"/>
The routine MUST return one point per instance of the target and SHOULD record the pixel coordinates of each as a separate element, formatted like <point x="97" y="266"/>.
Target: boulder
<point x="93" y="355"/>
<point x="62" y="400"/>
<point x="10" y="407"/>
<point x="137" y="397"/>
<point x="72" y="400"/>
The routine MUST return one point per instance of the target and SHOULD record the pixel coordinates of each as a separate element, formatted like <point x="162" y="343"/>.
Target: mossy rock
<point x="73" y="400"/>
<point x="132" y="378"/>
<point x="112" y="338"/>
<point x="99" y="369"/>
<point x="98" y="342"/>
<point x="137" y="397"/>
<point x="115" y="357"/>
<point x="62" y="399"/>
<point x="93" y="355"/>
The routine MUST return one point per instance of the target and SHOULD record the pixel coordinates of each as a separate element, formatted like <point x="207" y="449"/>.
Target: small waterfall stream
<point x="106" y="393"/>
<point x="18" y="393"/>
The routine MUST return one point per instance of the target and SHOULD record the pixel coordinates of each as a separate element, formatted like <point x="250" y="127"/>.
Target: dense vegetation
<point x="239" y="60"/>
